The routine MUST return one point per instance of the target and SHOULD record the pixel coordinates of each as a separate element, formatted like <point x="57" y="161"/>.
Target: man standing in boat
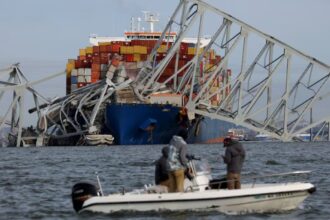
<point x="234" y="158"/>
<point x="177" y="162"/>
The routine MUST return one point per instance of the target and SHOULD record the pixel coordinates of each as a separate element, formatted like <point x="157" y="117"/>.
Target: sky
<point x="42" y="35"/>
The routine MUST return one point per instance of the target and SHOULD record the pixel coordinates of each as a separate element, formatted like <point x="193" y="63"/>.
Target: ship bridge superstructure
<point x="267" y="85"/>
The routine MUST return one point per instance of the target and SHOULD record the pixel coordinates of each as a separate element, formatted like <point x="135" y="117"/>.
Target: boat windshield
<point x="202" y="166"/>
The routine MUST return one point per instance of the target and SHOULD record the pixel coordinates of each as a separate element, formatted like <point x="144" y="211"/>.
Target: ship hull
<point x="139" y="124"/>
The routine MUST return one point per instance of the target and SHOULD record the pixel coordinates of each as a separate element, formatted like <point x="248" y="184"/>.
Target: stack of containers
<point x="93" y="62"/>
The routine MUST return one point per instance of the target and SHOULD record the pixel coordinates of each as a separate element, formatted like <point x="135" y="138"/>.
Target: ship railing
<point x="251" y="181"/>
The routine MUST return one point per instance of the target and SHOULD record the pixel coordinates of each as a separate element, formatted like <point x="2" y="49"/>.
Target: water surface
<point x="35" y="183"/>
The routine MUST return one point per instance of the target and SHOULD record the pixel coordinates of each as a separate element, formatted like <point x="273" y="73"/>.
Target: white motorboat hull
<point x="249" y="199"/>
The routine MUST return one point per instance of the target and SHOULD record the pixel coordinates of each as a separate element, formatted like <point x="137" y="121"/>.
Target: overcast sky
<point x="54" y="30"/>
<point x="42" y="34"/>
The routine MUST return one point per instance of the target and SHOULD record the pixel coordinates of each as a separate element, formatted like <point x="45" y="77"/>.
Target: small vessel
<point x="201" y="193"/>
<point x="99" y="139"/>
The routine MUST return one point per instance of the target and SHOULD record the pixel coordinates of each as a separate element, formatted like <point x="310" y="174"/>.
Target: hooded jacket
<point x="234" y="157"/>
<point x="177" y="153"/>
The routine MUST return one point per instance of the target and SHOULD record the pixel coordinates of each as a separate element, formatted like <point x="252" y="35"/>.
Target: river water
<point x="35" y="183"/>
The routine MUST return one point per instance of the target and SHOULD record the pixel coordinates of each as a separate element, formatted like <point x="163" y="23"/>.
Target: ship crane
<point x="273" y="89"/>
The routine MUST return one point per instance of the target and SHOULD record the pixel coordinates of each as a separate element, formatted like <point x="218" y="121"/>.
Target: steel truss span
<point x="14" y="88"/>
<point x="267" y="85"/>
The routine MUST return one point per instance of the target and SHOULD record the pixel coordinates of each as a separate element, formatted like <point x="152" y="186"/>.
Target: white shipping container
<point x="74" y="72"/>
<point x="81" y="71"/>
<point x="88" y="79"/>
<point x="88" y="72"/>
<point x="81" y="79"/>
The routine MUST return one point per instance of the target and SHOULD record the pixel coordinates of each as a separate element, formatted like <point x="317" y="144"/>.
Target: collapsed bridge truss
<point x="274" y="89"/>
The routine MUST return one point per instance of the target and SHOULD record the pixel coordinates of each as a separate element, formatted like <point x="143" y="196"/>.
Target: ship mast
<point x="151" y="18"/>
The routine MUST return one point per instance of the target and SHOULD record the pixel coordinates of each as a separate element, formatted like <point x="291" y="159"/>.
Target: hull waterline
<point x="261" y="199"/>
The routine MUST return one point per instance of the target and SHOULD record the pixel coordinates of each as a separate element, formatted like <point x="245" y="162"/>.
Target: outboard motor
<point x="81" y="192"/>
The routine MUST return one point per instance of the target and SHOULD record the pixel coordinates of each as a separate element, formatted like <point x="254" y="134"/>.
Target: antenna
<point x="151" y="18"/>
<point x="132" y="24"/>
<point x="138" y="24"/>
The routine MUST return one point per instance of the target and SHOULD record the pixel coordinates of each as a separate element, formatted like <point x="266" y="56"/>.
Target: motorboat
<point x="201" y="193"/>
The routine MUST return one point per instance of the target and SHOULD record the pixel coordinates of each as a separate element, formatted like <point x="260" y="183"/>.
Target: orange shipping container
<point x="96" y="74"/>
<point x="96" y="67"/>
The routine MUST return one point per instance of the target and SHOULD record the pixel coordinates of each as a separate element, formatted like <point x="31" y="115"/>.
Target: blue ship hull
<point x="139" y="124"/>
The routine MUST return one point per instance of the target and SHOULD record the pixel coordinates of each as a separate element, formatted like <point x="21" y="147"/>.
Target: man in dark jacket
<point x="234" y="158"/>
<point x="161" y="170"/>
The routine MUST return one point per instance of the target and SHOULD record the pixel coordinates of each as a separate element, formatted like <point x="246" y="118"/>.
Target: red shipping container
<point x="103" y="49"/>
<point x="168" y="72"/>
<point x="96" y="60"/>
<point x="96" y="49"/>
<point x="149" y="49"/>
<point x="115" y="48"/>
<point x="77" y="64"/>
<point x="105" y="55"/>
<point x="137" y="42"/>
<point x="151" y="43"/>
<point x="129" y="57"/>
<point x="183" y="48"/>
<point x="104" y="60"/>
<point x="81" y="57"/>
<point x="144" y="57"/>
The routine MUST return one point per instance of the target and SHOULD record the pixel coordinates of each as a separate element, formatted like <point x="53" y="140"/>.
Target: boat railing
<point x="267" y="178"/>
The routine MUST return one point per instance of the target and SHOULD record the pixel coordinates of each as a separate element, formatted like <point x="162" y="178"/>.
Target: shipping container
<point x="82" y="52"/>
<point x="89" y="50"/>
<point x="115" y="48"/>
<point x="137" y="58"/>
<point x="126" y="50"/>
<point x="96" y="49"/>
<point x="74" y="79"/>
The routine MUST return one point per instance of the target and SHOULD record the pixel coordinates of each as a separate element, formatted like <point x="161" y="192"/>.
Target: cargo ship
<point x="126" y="118"/>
